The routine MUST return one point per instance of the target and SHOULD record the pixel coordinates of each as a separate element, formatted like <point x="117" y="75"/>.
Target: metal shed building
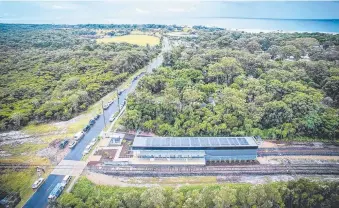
<point x="202" y="148"/>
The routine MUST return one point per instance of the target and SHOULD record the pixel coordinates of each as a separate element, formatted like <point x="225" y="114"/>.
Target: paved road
<point x="40" y="197"/>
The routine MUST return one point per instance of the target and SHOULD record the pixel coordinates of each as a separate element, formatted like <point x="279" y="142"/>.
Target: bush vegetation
<point x="53" y="72"/>
<point x="301" y="193"/>
<point x="225" y="83"/>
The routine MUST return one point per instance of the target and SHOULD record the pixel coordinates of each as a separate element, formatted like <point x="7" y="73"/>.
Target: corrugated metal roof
<point x="193" y="141"/>
<point x="173" y="152"/>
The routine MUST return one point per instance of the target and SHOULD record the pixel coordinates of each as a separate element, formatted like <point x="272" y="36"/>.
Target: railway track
<point x="298" y="151"/>
<point x="233" y="170"/>
<point x="325" y="169"/>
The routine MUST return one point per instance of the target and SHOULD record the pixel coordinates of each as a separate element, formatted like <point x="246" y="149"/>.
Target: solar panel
<point x="192" y="141"/>
<point x="149" y="142"/>
<point x="204" y="142"/>
<point x="156" y="142"/>
<point x="165" y="142"/>
<point x="175" y="142"/>
<point x="195" y="142"/>
<point x="224" y="141"/>
<point x="185" y="142"/>
<point x="233" y="141"/>
<point x="242" y="141"/>
<point x="214" y="141"/>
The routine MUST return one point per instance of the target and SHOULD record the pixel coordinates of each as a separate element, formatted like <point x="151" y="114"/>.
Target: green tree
<point x="131" y="199"/>
<point x="194" y="199"/>
<point x="225" y="197"/>
<point x="153" y="198"/>
<point x="225" y="70"/>
<point x="276" y="113"/>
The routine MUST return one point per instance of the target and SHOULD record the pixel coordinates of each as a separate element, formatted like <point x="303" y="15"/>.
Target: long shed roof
<point x="194" y="142"/>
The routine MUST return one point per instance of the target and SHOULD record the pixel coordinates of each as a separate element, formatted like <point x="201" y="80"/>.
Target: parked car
<point x="72" y="145"/>
<point x="91" y="122"/>
<point x="66" y="180"/>
<point x="79" y="135"/>
<point x="93" y="141"/>
<point x="86" y="128"/>
<point x="112" y="118"/>
<point x="63" y="143"/>
<point x="106" y="106"/>
<point x="97" y="117"/>
<point x="87" y="149"/>
<point x="56" y="192"/>
<point x="38" y="183"/>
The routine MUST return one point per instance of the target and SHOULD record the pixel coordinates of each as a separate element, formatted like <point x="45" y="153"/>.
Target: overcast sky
<point x="61" y="12"/>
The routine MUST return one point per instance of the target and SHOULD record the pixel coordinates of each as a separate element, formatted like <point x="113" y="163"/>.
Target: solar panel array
<point x="194" y="141"/>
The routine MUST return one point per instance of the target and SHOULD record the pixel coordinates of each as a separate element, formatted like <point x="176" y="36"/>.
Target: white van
<point x="94" y="140"/>
<point x="87" y="149"/>
<point x="66" y="180"/>
<point x="78" y="136"/>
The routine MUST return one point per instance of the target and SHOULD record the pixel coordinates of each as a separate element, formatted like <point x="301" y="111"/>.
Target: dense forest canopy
<point x="302" y="193"/>
<point x="53" y="72"/>
<point x="218" y="83"/>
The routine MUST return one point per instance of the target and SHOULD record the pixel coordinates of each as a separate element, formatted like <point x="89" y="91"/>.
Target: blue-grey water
<point x="312" y="16"/>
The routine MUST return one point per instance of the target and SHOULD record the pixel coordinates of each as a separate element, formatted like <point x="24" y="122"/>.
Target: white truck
<point x="78" y="136"/>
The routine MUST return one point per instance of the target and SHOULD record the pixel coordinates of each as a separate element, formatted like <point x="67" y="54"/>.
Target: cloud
<point x="176" y="10"/>
<point x="141" y="11"/>
<point x="181" y="9"/>
<point x="58" y="7"/>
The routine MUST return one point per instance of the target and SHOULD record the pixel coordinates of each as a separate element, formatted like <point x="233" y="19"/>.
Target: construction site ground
<point x="102" y="179"/>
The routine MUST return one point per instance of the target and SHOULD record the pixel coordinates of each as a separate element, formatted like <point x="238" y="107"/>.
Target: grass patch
<point x="80" y="123"/>
<point x="179" y="34"/>
<point x="142" y="40"/>
<point x="308" y="139"/>
<point x="39" y="129"/>
<point x="25" y="159"/>
<point x="137" y="32"/>
<point x="23" y="148"/>
<point x="49" y="139"/>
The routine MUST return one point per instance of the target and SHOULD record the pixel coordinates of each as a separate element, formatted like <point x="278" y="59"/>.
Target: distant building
<point x="306" y="57"/>
<point x="115" y="139"/>
<point x="198" y="149"/>
<point x="290" y="58"/>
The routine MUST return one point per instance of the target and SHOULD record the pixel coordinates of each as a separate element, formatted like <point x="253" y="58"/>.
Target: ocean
<point x="308" y="16"/>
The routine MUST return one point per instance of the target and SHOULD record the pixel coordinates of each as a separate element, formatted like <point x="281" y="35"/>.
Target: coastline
<point x="275" y="31"/>
<point x="188" y="24"/>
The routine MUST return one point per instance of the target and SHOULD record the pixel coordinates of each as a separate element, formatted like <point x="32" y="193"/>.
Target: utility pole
<point x="118" y="100"/>
<point x="103" y="112"/>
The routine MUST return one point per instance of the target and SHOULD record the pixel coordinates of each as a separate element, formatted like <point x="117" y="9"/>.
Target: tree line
<point x="225" y="83"/>
<point x="53" y="73"/>
<point x="301" y="193"/>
